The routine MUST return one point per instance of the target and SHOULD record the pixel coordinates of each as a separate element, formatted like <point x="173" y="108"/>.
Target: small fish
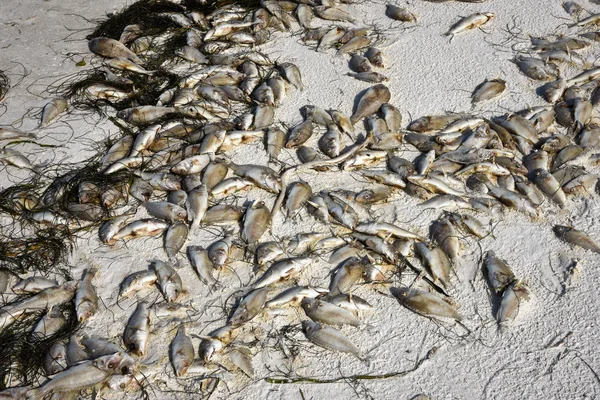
<point x="346" y="275"/>
<point x="52" y="111"/>
<point x="470" y="22"/>
<point x="257" y="220"/>
<point x="34" y="284"/>
<point x="329" y="338"/>
<point x="399" y="13"/>
<point x="250" y="306"/>
<point x="201" y="263"/>
<point x="513" y="296"/>
<point x="282" y="270"/>
<point x="111" y="48"/>
<point x="294" y="296"/>
<point x="175" y="237"/>
<point x="79" y="377"/>
<point x="488" y="90"/>
<point x="86" y="298"/>
<point x="181" y="352"/>
<point x="168" y="279"/>
<point x="425" y="303"/>
<point x="135" y="336"/>
<point x="499" y="273"/>
<point x="370" y="102"/>
<point x="137" y="281"/>
<point x="576" y="237"/>
<point x="327" y="313"/>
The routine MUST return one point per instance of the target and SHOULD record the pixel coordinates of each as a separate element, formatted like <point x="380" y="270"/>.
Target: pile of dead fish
<point x="176" y="168"/>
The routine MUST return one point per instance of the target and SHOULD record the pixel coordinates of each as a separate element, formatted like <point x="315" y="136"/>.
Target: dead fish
<point x="436" y="262"/>
<point x="375" y="57"/>
<point x="282" y="270"/>
<point x="52" y="110"/>
<point x="34" y="284"/>
<point x="111" y="48"/>
<point x="275" y="139"/>
<point x="488" y="90"/>
<point x="329" y="338"/>
<point x="552" y="91"/>
<point x="143" y="227"/>
<point x="294" y="296"/>
<point x="250" y="306"/>
<point x="214" y="173"/>
<point x="298" y="194"/>
<point x="175" y="238"/>
<point x="370" y="102"/>
<point x="548" y="184"/>
<point x="264" y="177"/>
<point x="55" y="360"/>
<point x="223" y="214"/>
<point x="168" y="280"/>
<point x="219" y="251"/>
<point x="292" y="74"/>
<point x="470" y="22"/>
<point x="299" y="134"/>
<point x="135" y="336"/>
<point x="511" y="301"/>
<point x="576" y="237"/>
<point x="425" y="303"/>
<point x="359" y="64"/>
<point x="399" y="13"/>
<point x="166" y="210"/>
<point x="181" y="352"/>
<point x="327" y="313"/>
<point x="144" y="115"/>
<point x="537" y="69"/>
<point x="370" y="76"/>
<point x="201" y="263"/>
<point x="86" y="298"/>
<point x="137" y="281"/>
<point x="9" y="133"/>
<point x="350" y="302"/>
<point x="215" y="341"/>
<point x="241" y="358"/>
<point x="257" y="220"/>
<point x="196" y="205"/>
<point x="499" y="274"/>
<point x="79" y="377"/>
<point x="433" y="122"/>
<point x="346" y="275"/>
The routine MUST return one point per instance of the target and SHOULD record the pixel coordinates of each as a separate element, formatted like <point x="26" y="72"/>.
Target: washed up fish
<point x="111" y="48"/>
<point x="576" y="237"/>
<point x="498" y="272"/>
<point x="168" y="279"/>
<point x="329" y="338"/>
<point x="181" y="352"/>
<point x="511" y="302"/>
<point x="135" y="336"/>
<point x="425" y="303"/>
<point x="370" y="102"/>
<point x="470" y="22"/>
<point x="250" y="306"/>
<point x="79" y="377"/>
<point x="295" y="295"/>
<point x="86" y="298"/>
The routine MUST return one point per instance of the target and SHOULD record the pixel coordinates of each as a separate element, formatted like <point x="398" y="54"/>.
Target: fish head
<point x="108" y="362"/>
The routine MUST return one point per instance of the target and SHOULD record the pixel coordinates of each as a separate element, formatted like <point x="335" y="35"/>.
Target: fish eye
<point x="111" y="365"/>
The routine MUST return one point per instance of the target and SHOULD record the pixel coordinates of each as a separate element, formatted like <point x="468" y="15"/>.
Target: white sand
<point x="429" y="76"/>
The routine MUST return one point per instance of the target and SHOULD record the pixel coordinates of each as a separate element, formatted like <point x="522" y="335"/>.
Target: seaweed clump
<point x="4" y="85"/>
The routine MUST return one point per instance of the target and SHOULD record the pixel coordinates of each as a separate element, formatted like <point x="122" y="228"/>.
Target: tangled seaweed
<point x="4" y="85"/>
<point x="22" y="353"/>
